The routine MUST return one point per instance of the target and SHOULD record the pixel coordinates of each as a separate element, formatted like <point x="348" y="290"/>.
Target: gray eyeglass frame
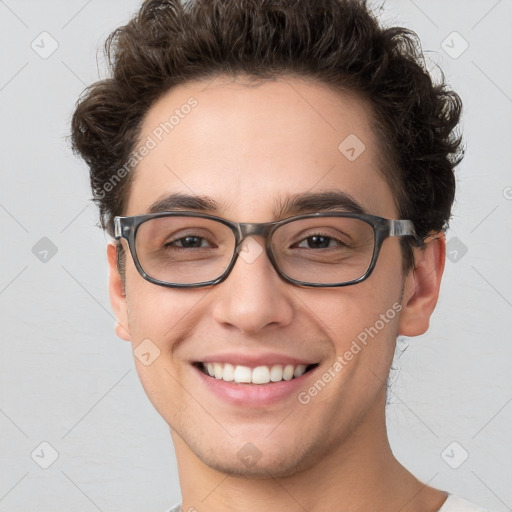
<point x="126" y="227"/>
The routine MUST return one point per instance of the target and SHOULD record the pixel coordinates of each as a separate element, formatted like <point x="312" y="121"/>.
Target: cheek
<point x="362" y="320"/>
<point x="161" y="314"/>
<point x="153" y="311"/>
<point x="159" y="318"/>
<point x="367" y="309"/>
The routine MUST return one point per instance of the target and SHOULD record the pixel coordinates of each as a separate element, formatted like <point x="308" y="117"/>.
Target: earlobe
<point x="121" y="332"/>
<point x="421" y="289"/>
<point x="117" y="294"/>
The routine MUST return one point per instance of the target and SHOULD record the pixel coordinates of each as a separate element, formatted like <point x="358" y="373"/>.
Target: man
<point x="276" y="176"/>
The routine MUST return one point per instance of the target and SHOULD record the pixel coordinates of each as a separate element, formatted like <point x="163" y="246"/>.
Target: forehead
<point x="250" y="147"/>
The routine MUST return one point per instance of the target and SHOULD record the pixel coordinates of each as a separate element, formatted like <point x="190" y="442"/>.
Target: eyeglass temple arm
<point x="402" y="228"/>
<point x="118" y="229"/>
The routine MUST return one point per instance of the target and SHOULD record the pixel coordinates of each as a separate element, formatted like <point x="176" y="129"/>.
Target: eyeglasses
<point x="190" y="250"/>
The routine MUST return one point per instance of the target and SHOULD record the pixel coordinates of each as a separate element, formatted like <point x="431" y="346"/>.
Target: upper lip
<point x="252" y="361"/>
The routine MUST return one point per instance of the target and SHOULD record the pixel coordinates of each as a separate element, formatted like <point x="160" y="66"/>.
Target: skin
<point x="245" y="146"/>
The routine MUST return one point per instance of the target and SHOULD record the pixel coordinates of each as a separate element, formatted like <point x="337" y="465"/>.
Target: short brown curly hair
<point x="337" y="42"/>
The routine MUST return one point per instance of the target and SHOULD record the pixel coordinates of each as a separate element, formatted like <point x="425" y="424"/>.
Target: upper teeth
<point x="258" y="375"/>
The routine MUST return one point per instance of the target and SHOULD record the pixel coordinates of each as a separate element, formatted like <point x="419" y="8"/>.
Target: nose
<point x="253" y="296"/>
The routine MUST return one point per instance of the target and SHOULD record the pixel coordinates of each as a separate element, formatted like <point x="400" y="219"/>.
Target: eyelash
<point x="325" y="235"/>
<point x="189" y="235"/>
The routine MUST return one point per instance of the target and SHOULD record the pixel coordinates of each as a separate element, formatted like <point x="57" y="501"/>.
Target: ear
<point x="421" y="289"/>
<point x="117" y="294"/>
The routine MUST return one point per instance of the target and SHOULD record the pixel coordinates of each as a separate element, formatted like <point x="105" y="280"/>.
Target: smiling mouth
<point x="259" y="375"/>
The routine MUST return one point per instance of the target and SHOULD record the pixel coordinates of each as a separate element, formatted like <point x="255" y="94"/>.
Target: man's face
<point x="246" y="148"/>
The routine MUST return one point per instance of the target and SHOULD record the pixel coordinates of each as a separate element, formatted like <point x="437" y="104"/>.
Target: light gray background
<point x="65" y="378"/>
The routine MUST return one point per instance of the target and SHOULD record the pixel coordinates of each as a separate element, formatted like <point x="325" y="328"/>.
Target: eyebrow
<point x="295" y="204"/>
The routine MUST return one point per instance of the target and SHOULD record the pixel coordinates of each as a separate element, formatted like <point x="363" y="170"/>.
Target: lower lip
<point x="254" y="395"/>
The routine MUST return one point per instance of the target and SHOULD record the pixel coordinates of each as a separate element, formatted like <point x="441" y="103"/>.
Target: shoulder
<point x="456" y="504"/>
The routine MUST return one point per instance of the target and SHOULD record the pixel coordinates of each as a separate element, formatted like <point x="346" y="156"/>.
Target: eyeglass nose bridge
<point x="244" y="230"/>
<point x="247" y="229"/>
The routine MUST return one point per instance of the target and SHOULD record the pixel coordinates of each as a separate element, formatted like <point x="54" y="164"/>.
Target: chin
<point x="259" y="471"/>
<point x="259" y="460"/>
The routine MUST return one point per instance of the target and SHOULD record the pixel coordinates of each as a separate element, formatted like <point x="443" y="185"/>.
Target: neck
<point x="360" y="474"/>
